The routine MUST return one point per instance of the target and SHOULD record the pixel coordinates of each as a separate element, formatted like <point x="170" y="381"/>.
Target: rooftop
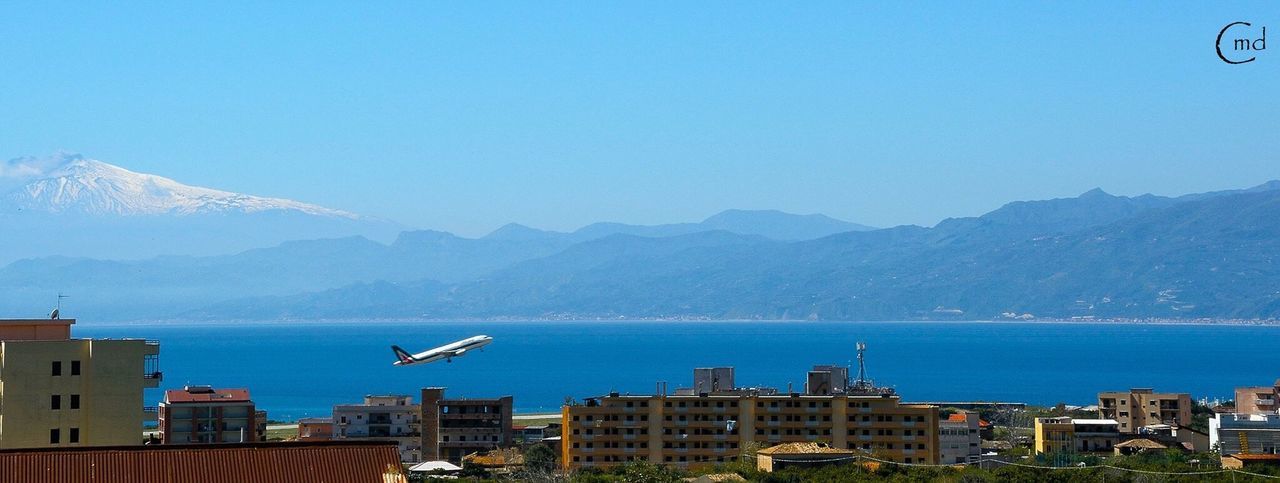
<point x="1141" y="443"/>
<point x="194" y="394"/>
<point x="233" y="462"/>
<point x="37" y="321"/>
<point x="1255" y="457"/>
<point x="1094" y="421"/>
<point x="496" y="458"/>
<point x="803" y="448"/>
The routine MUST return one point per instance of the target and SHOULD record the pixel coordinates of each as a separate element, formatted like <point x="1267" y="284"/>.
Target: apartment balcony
<point x="1264" y="402"/>
<point x="151" y="374"/>
<point x="150" y="414"/>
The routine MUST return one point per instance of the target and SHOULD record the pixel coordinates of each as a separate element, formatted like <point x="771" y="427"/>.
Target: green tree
<point x="540" y="458"/>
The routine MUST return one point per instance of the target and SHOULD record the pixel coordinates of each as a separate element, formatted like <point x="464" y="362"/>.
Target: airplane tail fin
<point x="404" y="357"/>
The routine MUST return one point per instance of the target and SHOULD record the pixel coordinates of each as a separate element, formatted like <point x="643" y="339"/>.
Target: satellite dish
<point x="54" y="315"/>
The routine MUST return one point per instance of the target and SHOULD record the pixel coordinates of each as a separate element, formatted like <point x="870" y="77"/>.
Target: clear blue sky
<point x="464" y="116"/>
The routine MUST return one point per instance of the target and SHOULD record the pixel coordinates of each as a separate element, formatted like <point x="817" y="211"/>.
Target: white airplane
<point x="446" y="352"/>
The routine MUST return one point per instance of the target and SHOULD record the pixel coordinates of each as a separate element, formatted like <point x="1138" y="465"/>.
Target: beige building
<point x="693" y="430"/>
<point x="1141" y="407"/>
<point x="1258" y="399"/>
<point x="57" y="391"/>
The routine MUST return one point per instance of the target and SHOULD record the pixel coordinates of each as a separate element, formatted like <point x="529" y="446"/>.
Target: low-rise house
<point x="806" y="455"/>
<point x="1138" y="445"/>
<point x="315" y="429"/>
<point x="530" y="434"/>
<point x="1171" y="436"/>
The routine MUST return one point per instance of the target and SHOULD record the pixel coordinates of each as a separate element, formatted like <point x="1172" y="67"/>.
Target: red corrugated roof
<point x="314" y="462"/>
<point x="218" y="395"/>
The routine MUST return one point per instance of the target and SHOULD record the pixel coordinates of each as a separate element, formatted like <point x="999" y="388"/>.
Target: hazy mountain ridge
<point x="1210" y="255"/>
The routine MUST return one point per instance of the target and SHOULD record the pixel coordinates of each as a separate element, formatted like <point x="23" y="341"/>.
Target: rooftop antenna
<point x="57" y="312"/>
<point x="862" y="365"/>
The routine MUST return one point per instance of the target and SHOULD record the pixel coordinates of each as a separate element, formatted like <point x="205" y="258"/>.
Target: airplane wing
<point x="455" y="353"/>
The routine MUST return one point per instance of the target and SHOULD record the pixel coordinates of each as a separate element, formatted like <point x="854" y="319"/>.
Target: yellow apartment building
<point x="56" y="391"/>
<point x="1054" y="435"/>
<point x="1066" y="435"/>
<point x="693" y="430"/>
<point x="1142" y="407"/>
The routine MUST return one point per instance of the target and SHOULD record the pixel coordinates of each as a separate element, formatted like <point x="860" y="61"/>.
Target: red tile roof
<point x="314" y="462"/>
<point x="217" y="395"/>
<point x="957" y="418"/>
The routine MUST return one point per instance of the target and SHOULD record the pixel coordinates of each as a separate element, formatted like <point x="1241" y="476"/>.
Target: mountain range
<point x="1211" y="255"/>
<point x="131" y="246"/>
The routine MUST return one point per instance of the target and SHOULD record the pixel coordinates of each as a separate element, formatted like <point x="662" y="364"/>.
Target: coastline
<point x="655" y="320"/>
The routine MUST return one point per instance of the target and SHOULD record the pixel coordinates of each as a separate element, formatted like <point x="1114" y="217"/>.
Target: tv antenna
<point x="862" y="366"/>
<point x="57" y="311"/>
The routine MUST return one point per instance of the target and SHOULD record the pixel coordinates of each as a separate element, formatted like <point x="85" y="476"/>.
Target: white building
<point x="1245" y="433"/>
<point x="389" y="418"/>
<point x="958" y="438"/>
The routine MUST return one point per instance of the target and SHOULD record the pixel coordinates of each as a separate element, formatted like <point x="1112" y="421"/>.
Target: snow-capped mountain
<point x="71" y="205"/>
<point x="71" y="183"/>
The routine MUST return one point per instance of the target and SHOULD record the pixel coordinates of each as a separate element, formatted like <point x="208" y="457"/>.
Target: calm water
<point x="298" y="370"/>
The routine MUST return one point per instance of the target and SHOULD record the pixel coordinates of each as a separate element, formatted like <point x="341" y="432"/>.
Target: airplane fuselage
<point x="446" y="352"/>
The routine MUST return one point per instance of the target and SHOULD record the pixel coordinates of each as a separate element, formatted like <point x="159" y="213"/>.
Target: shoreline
<point x="534" y="320"/>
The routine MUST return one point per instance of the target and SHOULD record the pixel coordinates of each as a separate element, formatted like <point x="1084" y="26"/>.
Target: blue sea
<point x="302" y="369"/>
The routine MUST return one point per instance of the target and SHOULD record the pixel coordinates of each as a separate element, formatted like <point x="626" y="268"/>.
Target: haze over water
<point x="303" y="369"/>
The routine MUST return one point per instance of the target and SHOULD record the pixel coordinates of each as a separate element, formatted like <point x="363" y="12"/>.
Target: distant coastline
<point x="647" y="320"/>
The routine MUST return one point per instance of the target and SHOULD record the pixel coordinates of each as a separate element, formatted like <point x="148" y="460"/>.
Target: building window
<point x="57" y="368"/>
<point x="75" y="401"/>
<point x="74" y="435"/>
<point x="53" y="436"/>
<point x="75" y="368"/>
<point x="55" y="402"/>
